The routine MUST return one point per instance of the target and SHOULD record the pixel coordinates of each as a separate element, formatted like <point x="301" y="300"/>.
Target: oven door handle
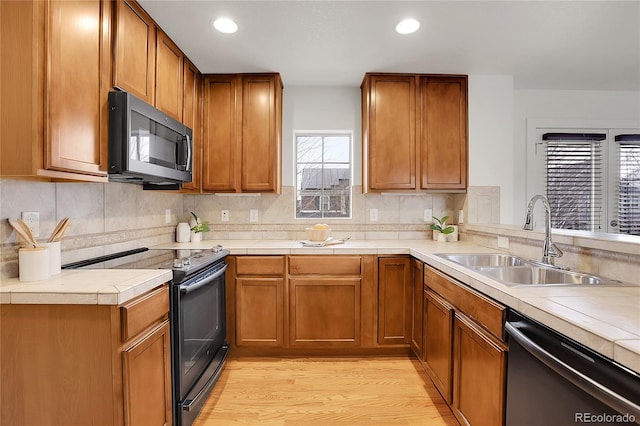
<point x="188" y="288"/>
<point x="586" y="383"/>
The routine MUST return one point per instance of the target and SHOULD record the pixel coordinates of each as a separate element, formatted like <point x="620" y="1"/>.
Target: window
<point x="323" y="175"/>
<point x="592" y="180"/>
<point x="574" y="182"/>
<point x="627" y="183"/>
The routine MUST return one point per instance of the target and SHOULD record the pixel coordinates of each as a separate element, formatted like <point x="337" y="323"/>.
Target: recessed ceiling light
<point x="225" y="25"/>
<point x="407" y="26"/>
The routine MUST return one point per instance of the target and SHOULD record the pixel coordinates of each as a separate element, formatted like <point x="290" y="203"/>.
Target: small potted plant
<point x="440" y="228"/>
<point x="197" y="228"/>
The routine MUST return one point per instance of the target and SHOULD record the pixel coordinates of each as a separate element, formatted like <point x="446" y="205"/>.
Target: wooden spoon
<point x="60" y="232"/>
<point x="28" y="237"/>
<point x="61" y="226"/>
<point x="27" y="231"/>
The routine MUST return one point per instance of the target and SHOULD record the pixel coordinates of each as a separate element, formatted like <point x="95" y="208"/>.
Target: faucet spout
<point x="549" y="249"/>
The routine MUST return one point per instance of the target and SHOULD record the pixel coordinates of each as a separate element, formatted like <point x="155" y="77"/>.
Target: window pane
<point x="309" y="149"/>
<point x="629" y="188"/>
<point x="574" y="184"/>
<point x="323" y="176"/>
<point x="337" y="149"/>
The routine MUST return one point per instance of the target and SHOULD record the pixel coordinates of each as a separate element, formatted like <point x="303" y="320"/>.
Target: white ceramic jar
<point x="183" y="232"/>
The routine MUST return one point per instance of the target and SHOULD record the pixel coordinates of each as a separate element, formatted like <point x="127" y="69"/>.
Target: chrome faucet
<point x="549" y="249"/>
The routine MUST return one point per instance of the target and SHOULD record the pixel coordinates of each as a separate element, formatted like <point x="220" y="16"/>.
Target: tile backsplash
<point x="107" y="218"/>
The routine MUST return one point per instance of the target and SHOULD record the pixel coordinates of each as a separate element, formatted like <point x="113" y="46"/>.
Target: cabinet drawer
<point x="140" y="313"/>
<point x="260" y="265"/>
<point x="483" y="310"/>
<point x="325" y="265"/>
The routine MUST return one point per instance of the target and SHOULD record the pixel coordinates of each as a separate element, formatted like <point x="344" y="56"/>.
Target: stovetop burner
<point x="183" y="263"/>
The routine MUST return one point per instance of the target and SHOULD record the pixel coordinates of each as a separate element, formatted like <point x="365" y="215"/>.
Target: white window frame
<point x="297" y="133"/>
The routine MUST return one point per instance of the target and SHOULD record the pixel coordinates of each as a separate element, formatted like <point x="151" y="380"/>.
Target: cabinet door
<point x="324" y="312"/>
<point x="438" y="343"/>
<point x="74" y="93"/>
<point x="147" y="379"/>
<point x="478" y="375"/>
<point x="134" y="51"/>
<point x="389" y="151"/>
<point x="260" y="312"/>
<point x="417" y="297"/>
<point x="443" y="135"/>
<point x="192" y="118"/>
<point x="261" y="133"/>
<point x="221" y="133"/>
<point x="394" y="301"/>
<point x="169" y="71"/>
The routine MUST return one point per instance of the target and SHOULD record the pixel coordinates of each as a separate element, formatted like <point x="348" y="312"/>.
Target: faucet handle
<point x="554" y="251"/>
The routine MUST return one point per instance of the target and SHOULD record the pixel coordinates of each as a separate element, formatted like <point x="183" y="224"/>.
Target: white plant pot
<point x="196" y="237"/>
<point x="439" y="236"/>
<point x="454" y="235"/>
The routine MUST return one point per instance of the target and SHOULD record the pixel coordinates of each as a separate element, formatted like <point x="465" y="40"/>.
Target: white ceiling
<point x="590" y="45"/>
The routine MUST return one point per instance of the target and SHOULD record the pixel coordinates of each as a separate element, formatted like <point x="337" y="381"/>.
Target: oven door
<point x="199" y="333"/>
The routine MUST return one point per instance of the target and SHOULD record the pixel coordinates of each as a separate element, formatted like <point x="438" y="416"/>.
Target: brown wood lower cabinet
<point x="394" y="300"/>
<point x="438" y="342"/>
<point x="478" y="374"/>
<point x="87" y="364"/>
<point x="260" y="312"/>
<point x="463" y="352"/>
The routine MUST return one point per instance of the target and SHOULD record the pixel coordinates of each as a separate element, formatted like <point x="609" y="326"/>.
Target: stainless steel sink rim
<point x="514" y="271"/>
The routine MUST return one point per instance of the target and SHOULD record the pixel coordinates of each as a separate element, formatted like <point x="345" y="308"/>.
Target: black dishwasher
<point x="553" y="380"/>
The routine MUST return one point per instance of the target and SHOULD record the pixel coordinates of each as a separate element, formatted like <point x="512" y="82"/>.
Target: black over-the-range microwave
<point x="146" y="146"/>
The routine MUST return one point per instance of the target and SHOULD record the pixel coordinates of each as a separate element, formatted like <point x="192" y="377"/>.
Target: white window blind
<point x="628" y="184"/>
<point x="574" y="179"/>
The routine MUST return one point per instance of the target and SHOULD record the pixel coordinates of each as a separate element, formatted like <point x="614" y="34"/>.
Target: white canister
<point x="54" y="256"/>
<point x="33" y="264"/>
<point x="183" y="232"/>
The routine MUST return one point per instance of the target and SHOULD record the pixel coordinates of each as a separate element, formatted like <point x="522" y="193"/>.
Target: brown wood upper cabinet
<point x="192" y="118"/>
<point x="54" y="93"/>
<point x="414" y="131"/>
<point x="242" y="133"/>
<point x="148" y="64"/>
<point x="134" y="51"/>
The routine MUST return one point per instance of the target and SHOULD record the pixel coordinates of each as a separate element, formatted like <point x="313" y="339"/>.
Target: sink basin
<point x="536" y="275"/>
<point x="483" y="259"/>
<point x="514" y="271"/>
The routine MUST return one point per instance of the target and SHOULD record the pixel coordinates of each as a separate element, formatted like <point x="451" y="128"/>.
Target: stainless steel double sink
<point x="514" y="271"/>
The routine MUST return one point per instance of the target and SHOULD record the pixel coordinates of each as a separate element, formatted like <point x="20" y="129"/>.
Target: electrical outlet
<point x="503" y="243"/>
<point x="373" y="215"/>
<point x="428" y="215"/>
<point x="460" y="217"/>
<point x="167" y="216"/>
<point x="32" y="219"/>
<point x="224" y="216"/>
<point x="254" y="215"/>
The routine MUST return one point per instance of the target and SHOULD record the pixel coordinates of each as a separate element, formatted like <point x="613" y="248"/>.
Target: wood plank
<point x="322" y="391"/>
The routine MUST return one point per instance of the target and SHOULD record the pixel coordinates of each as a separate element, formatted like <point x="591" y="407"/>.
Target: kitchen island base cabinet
<point x="87" y="364"/>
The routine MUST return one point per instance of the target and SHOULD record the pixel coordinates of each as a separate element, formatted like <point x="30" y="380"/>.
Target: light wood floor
<point x="324" y="391"/>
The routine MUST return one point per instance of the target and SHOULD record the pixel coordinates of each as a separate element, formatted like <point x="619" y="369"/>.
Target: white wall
<point x="563" y="108"/>
<point x="320" y="108"/>
<point x="491" y="150"/>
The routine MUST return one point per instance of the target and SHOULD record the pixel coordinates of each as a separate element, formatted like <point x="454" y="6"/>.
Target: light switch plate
<point x="373" y="215"/>
<point x="428" y="215"/>
<point x="167" y="216"/>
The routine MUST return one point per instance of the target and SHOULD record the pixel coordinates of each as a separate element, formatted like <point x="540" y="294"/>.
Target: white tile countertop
<point x="606" y="319"/>
<point x="86" y="287"/>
